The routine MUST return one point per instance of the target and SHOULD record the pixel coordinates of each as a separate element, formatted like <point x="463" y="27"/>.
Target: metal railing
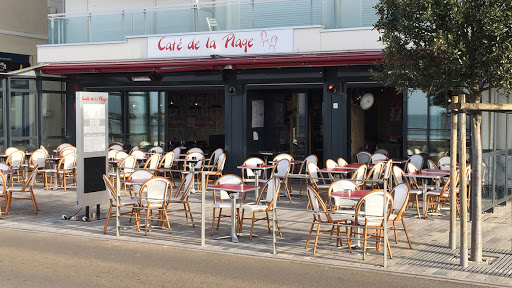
<point x="229" y="15"/>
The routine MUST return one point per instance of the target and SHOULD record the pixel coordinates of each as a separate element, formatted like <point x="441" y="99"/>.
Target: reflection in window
<point x="23" y="118"/>
<point x="417" y="109"/>
<point x="115" y="118"/>
<point x="138" y="110"/>
<point x="53" y="119"/>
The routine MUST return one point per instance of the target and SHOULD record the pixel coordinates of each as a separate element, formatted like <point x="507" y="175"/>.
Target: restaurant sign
<point x="221" y="44"/>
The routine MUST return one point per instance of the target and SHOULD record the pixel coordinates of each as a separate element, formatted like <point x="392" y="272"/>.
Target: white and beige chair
<point x="67" y="150"/>
<point x="181" y="197"/>
<point x="152" y="162"/>
<point x="214" y="156"/>
<point x="15" y="161"/>
<point x="316" y="179"/>
<point x="338" y="203"/>
<point x="120" y="155"/>
<point x="124" y="202"/>
<point x="3" y="191"/>
<point x="217" y="169"/>
<point x="264" y="204"/>
<point x="27" y="188"/>
<point x="156" y="149"/>
<point x="138" y="174"/>
<point x="373" y="176"/>
<point x="155" y="194"/>
<point x="112" y="153"/>
<point x="117" y="147"/>
<point x="167" y="162"/>
<point x="249" y="175"/>
<point x="281" y="172"/>
<point x="195" y="150"/>
<point x="444" y="163"/>
<point x="139" y="155"/>
<point x="322" y="215"/>
<point x="62" y="146"/>
<point x="37" y="159"/>
<point x="377" y="157"/>
<point x="400" y="199"/>
<point x="417" y="161"/>
<point x="341" y="162"/>
<point x="363" y="157"/>
<point x="369" y="215"/>
<point x="65" y="167"/>
<point x="359" y="175"/>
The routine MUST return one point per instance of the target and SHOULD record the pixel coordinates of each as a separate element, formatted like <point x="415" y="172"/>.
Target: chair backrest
<point x="134" y="148"/>
<point x="141" y="174"/>
<point x="372" y="204"/>
<point x="4" y="166"/>
<point x="444" y="163"/>
<point x="167" y="161"/>
<point x="382" y="151"/>
<point x="282" y="156"/>
<point x="342" y="162"/>
<point x="310" y="159"/>
<point x="184" y="188"/>
<point x="121" y="155"/>
<point x="128" y="164"/>
<point x="363" y="157"/>
<point x="398" y="175"/>
<point x="156" y="189"/>
<point x="196" y="156"/>
<point x="138" y="154"/>
<point x="212" y="24"/>
<point x="177" y="151"/>
<point x="30" y="181"/>
<point x="329" y="163"/>
<point x="253" y="161"/>
<point x="316" y="204"/>
<point x="228" y="179"/>
<point x="112" y="153"/>
<point x="62" y="146"/>
<point x="16" y="159"/>
<point x="378" y="157"/>
<point x="431" y="164"/>
<point x="152" y="162"/>
<point x="340" y="186"/>
<point x="37" y="158"/>
<point x="359" y="174"/>
<point x="400" y="199"/>
<point x="116" y="147"/>
<point x="219" y="164"/>
<point x="375" y="172"/>
<point x="157" y="149"/>
<point x="3" y="183"/>
<point x="215" y="155"/>
<point x="386" y="170"/>
<point x="268" y="190"/>
<point x="410" y="168"/>
<point x="282" y="169"/>
<point x="67" y="150"/>
<point x="416" y="160"/>
<point x="112" y="193"/>
<point x="313" y="173"/>
<point x="67" y="162"/>
<point x="194" y="150"/>
<point x="10" y="150"/>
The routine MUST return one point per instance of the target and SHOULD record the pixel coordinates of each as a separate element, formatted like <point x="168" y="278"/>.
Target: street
<point x="30" y="259"/>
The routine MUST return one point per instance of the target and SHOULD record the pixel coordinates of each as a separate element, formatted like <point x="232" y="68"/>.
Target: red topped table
<point x="233" y="190"/>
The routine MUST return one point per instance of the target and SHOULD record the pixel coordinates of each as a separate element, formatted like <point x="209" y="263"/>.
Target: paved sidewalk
<point x="429" y="256"/>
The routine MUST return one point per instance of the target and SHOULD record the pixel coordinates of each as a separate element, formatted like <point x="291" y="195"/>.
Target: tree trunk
<point x="476" y="187"/>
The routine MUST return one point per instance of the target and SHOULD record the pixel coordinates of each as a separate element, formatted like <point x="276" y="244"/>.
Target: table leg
<point x="234" y="237"/>
<point x="257" y="183"/>
<point x="424" y="197"/>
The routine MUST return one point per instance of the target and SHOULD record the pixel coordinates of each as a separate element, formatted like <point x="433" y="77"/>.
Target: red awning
<point x="218" y="63"/>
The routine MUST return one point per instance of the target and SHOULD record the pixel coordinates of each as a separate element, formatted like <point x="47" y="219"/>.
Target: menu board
<point x="94" y="127"/>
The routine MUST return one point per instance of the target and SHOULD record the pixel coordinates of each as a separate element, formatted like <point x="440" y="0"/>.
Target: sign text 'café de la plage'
<point x="221" y="43"/>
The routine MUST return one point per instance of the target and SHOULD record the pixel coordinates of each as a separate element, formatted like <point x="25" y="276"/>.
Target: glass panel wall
<point x="23" y="120"/>
<point x="417" y="122"/>
<point x="115" y="118"/>
<point x="138" y="122"/>
<point x="53" y="114"/>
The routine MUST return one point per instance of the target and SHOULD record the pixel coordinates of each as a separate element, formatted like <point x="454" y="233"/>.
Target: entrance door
<point x="283" y="121"/>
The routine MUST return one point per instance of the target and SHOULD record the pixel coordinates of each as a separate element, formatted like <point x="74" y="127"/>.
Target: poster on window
<point x="258" y="113"/>
<point x="94" y="127"/>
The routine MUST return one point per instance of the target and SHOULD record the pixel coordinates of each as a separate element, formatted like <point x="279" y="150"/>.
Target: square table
<point x="233" y="190"/>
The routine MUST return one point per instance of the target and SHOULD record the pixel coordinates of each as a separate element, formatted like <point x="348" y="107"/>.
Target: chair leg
<point x="106" y="221"/>
<point x="394" y="229"/>
<point x="64" y="181"/>
<point x="252" y="224"/>
<point x="147" y="221"/>
<point x="8" y="206"/>
<point x="33" y="199"/>
<point x="406" y="234"/>
<point x="309" y="235"/>
<point x="365" y="231"/>
<point x="167" y="220"/>
<point x="213" y="222"/>
<point x="191" y="218"/>
<point x="418" y="206"/>
<point x="316" y="238"/>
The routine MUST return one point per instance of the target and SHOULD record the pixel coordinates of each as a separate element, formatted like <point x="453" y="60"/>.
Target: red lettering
<point x="159" y="44"/>
<point x="193" y="45"/>
<point x="211" y="44"/>
<point x="232" y="41"/>
<point x="229" y="38"/>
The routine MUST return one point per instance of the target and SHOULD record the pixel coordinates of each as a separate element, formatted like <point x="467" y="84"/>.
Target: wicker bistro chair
<point x="263" y="205"/>
<point x="316" y="179"/>
<point x="152" y="162"/>
<point x="386" y="174"/>
<point x="139" y="155"/>
<point x="329" y="163"/>
<point x="417" y="160"/>
<point x="217" y="169"/>
<point x="112" y="196"/>
<point x="281" y="172"/>
<point x="341" y="162"/>
<point x="126" y="167"/>
<point x="3" y="190"/>
<point x="28" y="187"/>
<point x="67" y="150"/>
<point x="370" y="215"/>
<point x="223" y="202"/>
<point x="10" y="150"/>
<point x="444" y="163"/>
<point x="117" y="147"/>
<point x="400" y="199"/>
<point x="363" y="157"/>
<point x="377" y="157"/>
<point x="341" y="203"/>
<point x="167" y="162"/>
<point x="37" y="159"/>
<point x="436" y="197"/>
<point x="215" y="155"/>
<point x="398" y="176"/>
<point x="321" y="215"/>
<point x="195" y="150"/>
<point x="15" y="161"/>
<point x="155" y="194"/>
<point x="374" y="174"/>
<point x="112" y="154"/>
<point x="138" y="174"/>
<point x="359" y="175"/>
<point x="120" y="155"/>
<point x="65" y="167"/>
<point x="62" y="146"/>
<point x="303" y="171"/>
<point x="181" y="196"/>
<point x="249" y="175"/>
<point x="157" y="149"/>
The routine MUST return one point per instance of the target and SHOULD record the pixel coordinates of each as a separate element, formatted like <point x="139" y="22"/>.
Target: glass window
<point x="417" y="110"/>
<point x="54" y="85"/>
<point x="23" y="119"/>
<point x="138" y="124"/>
<point x="115" y="117"/>
<point x="53" y="117"/>
<point x="440" y="126"/>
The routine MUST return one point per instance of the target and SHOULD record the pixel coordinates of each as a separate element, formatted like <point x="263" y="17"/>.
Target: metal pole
<point x="463" y="187"/>
<point x="274" y="219"/>
<point x="203" y="207"/>
<point x="384" y="227"/>
<point x="453" y="178"/>
<point x="118" y="190"/>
